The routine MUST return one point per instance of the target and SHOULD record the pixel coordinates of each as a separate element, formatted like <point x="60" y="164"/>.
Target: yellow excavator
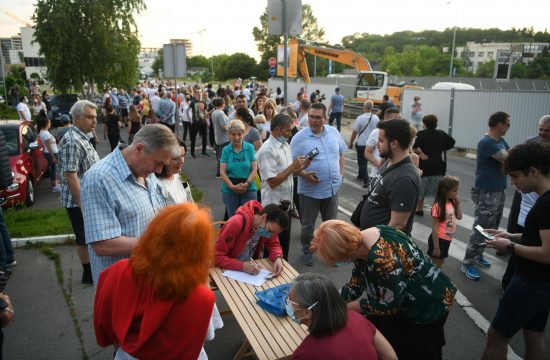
<point x="371" y="85"/>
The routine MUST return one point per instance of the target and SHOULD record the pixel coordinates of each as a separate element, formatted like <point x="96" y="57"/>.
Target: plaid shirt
<point x="114" y="204"/>
<point x="76" y="154"/>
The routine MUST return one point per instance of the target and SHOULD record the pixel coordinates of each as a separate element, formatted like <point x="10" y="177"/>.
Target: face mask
<point x="282" y="139"/>
<point x="290" y="311"/>
<point x="261" y="127"/>
<point x="262" y="231"/>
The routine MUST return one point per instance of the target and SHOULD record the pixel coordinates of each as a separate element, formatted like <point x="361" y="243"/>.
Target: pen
<point x="255" y="263"/>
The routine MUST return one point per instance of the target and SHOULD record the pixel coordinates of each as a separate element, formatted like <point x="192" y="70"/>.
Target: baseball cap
<point x="65" y="119"/>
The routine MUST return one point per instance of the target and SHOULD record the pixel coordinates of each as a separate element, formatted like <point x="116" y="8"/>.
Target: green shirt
<point x="238" y="165"/>
<point x="398" y="278"/>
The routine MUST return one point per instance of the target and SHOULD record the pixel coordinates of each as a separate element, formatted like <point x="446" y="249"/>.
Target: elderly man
<point x="324" y="148"/>
<point x="76" y="156"/>
<point x="277" y="168"/>
<point x="166" y="111"/>
<point x="120" y="194"/>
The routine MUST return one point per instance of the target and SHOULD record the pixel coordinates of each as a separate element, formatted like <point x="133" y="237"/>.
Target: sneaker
<point x="295" y="214"/>
<point x="218" y="177"/>
<point x="205" y="155"/>
<point x="12" y="264"/>
<point x="56" y="189"/>
<point x="470" y="272"/>
<point x="308" y="259"/>
<point x="484" y="262"/>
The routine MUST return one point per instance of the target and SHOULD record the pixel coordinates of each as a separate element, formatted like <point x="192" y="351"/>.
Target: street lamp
<point x="453" y="47"/>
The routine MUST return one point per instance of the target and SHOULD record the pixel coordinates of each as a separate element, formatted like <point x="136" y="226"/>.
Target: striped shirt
<point x="115" y="204"/>
<point x="76" y="154"/>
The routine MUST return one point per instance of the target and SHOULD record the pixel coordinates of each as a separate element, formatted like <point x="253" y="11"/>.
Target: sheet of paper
<point x="256" y="280"/>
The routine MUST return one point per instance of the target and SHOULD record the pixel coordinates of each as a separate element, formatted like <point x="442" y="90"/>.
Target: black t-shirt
<point x="383" y="107"/>
<point x="112" y="125"/>
<point x="397" y="191"/>
<point x="433" y="143"/>
<point x="537" y="219"/>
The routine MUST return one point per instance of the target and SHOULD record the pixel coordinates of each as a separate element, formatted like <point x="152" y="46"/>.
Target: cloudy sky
<point x="229" y="23"/>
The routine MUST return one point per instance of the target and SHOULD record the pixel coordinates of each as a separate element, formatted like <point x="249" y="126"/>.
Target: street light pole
<point x="452" y="53"/>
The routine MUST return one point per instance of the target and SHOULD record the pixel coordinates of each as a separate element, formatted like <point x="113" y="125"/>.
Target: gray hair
<point x="318" y="293"/>
<point x="157" y="137"/>
<point x="545" y="119"/>
<point x="168" y="95"/>
<point x="368" y="104"/>
<point x="280" y="121"/>
<point x="78" y="109"/>
<point x="236" y="125"/>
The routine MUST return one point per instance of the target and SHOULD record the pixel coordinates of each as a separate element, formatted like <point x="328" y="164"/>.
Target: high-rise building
<point x="188" y="45"/>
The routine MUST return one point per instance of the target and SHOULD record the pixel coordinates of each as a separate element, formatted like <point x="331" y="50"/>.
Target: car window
<point x="27" y="136"/>
<point x="11" y="136"/>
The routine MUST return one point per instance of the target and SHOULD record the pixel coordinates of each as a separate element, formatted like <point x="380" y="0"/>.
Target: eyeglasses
<point x="300" y="305"/>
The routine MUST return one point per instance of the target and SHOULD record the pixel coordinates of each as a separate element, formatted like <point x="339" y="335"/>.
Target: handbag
<point x="273" y="300"/>
<point x="355" y="217"/>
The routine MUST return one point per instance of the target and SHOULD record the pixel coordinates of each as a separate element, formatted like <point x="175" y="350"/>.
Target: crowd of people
<point x="146" y="246"/>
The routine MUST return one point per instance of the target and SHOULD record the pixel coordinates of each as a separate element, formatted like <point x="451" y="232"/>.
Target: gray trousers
<point x="488" y="212"/>
<point x="309" y="209"/>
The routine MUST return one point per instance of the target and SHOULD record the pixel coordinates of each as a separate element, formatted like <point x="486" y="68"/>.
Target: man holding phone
<point x="318" y="187"/>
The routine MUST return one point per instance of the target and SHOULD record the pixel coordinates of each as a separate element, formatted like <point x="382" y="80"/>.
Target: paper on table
<point x="256" y="280"/>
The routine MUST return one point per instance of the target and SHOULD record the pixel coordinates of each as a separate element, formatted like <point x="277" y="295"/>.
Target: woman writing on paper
<point x="245" y="234"/>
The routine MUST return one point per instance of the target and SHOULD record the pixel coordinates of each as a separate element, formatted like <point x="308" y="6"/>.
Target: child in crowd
<point x="51" y="150"/>
<point x="445" y="211"/>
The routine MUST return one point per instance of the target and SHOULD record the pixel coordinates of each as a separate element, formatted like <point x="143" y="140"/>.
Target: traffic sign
<point x="272" y="62"/>
<point x="272" y="71"/>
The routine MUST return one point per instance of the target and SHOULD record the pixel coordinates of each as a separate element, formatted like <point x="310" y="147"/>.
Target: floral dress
<point x="398" y="278"/>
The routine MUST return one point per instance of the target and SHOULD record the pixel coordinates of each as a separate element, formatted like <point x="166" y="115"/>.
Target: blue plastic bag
<point x="273" y="299"/>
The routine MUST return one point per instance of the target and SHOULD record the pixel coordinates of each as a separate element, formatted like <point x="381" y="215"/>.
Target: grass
<point x="7" y="112"/>
<point x="28" y="222"/>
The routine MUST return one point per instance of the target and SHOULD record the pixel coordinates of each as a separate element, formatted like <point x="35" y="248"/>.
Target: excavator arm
<point x="347" y="57"/>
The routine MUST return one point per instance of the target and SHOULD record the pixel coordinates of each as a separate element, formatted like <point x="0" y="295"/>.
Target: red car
<point x="27" y="162"/>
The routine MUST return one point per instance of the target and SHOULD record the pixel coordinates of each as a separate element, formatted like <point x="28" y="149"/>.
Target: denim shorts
<point x="524" y="305"/>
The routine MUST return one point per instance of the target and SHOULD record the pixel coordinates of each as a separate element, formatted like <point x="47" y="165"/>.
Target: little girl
<point x="445" y="211"/>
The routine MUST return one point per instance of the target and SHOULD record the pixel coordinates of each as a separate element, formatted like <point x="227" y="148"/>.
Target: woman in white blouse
<point x="176" y="191"/>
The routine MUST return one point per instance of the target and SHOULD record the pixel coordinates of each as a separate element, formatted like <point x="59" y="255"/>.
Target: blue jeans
<point x="335" y="116"/>
<point x="488" y="212"/>
<point x="6" y="249"/>
<point x="51" y="164"/>
<point x="232" y="200"/>
<point x="524" y="305"/>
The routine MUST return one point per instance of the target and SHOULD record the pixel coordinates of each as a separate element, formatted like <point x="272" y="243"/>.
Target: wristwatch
<point x="248" y="182"/>
<point x="511" y="247"/>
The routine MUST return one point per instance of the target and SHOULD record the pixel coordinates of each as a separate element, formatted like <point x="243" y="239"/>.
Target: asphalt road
<point x="470" y="316"/>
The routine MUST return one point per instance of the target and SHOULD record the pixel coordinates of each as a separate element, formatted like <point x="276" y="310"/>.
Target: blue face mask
<point x="290" y="311"/>
<point x="263" y="232"/>
<point x="282" y="139"/>
<point x="262" y="127"/>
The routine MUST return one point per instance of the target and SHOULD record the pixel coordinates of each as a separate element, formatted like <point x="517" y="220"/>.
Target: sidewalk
<point x="55" y="321"/>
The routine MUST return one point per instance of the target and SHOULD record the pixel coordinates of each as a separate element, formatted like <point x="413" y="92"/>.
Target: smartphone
<point x="313" y="153"/>
<point x="484" y="233"/>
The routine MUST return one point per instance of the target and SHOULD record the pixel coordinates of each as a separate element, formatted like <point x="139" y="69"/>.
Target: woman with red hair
<point x="156" y="305"/>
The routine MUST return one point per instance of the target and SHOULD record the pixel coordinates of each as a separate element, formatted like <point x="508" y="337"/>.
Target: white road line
<point x="421" y="233"/>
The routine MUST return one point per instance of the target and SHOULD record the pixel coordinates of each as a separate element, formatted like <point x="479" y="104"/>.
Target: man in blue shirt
<point x="336" y="108"/>
<point x="488" y="190"/>
<point x="318" y="187"/>
<point x="120" y="195"/>
<point x="166" y="111"/>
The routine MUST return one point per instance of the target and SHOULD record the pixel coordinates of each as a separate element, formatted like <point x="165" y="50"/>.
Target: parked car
<point x="61" y="104"/>
<point x="27" y="162"/>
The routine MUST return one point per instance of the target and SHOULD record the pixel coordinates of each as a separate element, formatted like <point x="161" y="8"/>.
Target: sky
<point x="228" y="23"/>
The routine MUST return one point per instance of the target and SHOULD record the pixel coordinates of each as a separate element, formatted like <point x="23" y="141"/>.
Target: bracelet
<point x="511" y="248"/>
<point x="248" y="182"/>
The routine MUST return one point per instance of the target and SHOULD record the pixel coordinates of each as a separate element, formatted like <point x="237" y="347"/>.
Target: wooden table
<point x="271" y="336"/>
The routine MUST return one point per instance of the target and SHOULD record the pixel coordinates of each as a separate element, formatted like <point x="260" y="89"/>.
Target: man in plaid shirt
<point x="77" y="155"/>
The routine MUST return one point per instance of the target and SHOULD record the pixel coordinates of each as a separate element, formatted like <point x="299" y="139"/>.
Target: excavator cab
<point x="371" y="85"/>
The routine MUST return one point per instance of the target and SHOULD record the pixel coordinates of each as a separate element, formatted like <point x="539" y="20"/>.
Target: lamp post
<point x="452" y="53"/>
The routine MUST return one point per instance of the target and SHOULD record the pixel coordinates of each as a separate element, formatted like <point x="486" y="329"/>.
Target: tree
<point x="158" y="64"/>
<point x="539" y="68"/>
<point x="267" y="44"/>
<point x="88" y="41"/>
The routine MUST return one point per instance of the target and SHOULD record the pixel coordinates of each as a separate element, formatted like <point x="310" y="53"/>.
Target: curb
<point x="51" y="239"/>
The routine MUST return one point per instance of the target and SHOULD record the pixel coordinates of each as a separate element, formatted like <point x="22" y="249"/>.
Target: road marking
<point x="457" y="249"/>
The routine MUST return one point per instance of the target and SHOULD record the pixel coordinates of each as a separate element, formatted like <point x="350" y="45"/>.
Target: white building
<point x="478" y="53"/>
<point x="146" y="58"/>
<point x="33" y="62"/>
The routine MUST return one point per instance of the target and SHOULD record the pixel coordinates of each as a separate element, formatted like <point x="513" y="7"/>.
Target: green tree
<point x="88" y="41"/>
<point x="539" y="68"/>
<point x="158" y="63"/>
<point x="486" y="70"/>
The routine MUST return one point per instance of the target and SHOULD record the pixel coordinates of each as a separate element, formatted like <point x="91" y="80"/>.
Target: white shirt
<point x="371" y="142"/>
<point x="246" y="94"/>
<point x="232" y="115"/>
<point x="185" y="111"/>
<point x="303" y="121"/>
<point x="155" y="100"/>
<point x="364" y="125"/>
<point x="38" y="107"/>
<point x="273" y="158"/>
<point x="46" y="137"/>
<point x="175" y="188"/>
<point x="23" y="108"/>
<point x="527" y="202"/>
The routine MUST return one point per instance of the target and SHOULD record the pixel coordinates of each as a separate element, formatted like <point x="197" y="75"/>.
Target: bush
<point x="7" y="112"/>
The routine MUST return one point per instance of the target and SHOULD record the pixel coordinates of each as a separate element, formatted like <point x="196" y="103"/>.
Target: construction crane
<point x="18" y="19"/>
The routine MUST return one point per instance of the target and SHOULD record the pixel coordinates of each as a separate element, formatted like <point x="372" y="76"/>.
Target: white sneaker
<point x="56" y="189"/>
